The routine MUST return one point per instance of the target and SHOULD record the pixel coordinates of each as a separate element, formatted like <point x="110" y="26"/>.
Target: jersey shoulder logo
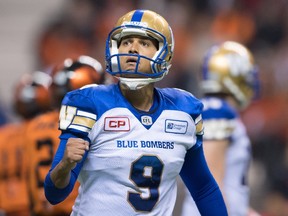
<point x="176" y="126"/>
<point x="72" y="118"/>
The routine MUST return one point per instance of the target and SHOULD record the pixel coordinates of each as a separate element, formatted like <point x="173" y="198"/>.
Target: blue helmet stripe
<point x="137" y="16"/>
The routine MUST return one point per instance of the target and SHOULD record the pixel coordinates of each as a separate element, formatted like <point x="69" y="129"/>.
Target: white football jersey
<point x="134" y="157"/>
<point x="221" y="121"/>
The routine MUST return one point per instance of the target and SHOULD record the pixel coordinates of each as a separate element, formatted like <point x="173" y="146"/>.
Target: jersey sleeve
<point x="77" y="113"/>
<point x="182" y="100"/>
<point x="219" y="119"/>
<point x="56" y="195"/>
<point x="194" y="107"/>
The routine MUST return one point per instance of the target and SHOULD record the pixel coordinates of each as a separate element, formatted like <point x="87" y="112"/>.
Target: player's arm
<point x="65" y="168"/>
<point x="73" y="154"/>
<point x="76" y="120"/>
<point x="219" y="126"/>
<point x="201" y="184"/>
<point x="197" y="176"/>
<point x="215" y="154"/>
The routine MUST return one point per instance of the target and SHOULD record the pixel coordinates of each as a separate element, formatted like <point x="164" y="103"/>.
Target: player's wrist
<point x="66" y="166"/>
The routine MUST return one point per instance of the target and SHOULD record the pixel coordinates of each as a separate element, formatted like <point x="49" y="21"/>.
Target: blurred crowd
<point x="262" y="25"/>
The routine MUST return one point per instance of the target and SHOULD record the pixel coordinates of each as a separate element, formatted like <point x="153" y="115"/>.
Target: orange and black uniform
<point x="42" y="139"/>
<point x="14" y="199"/>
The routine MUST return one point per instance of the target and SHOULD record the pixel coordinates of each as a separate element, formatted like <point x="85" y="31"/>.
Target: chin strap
<point x="137" y="83"/>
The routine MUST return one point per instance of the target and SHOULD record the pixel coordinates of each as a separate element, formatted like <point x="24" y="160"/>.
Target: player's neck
<point x="141" y="99"/>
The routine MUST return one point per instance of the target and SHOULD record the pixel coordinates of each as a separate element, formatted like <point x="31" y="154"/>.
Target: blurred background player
<point x="43" y="134"/>
<point x="31" y="97"/>
<point x="229" y="83"/>
<point x="3" y="115"/>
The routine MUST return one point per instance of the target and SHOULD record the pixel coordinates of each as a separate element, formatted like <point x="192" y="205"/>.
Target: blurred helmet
<point x="229" y="69"/>
<point x="142" y="23"/>
<point x="31" y="95"/>
<point x="73" y="74"/>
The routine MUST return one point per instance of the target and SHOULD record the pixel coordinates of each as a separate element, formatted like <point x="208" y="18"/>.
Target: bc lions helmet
<point x="229" y="69"/>
<point x="142" y="23"/>
<point x="73" y="74"/>
<point x="32" y="94"/>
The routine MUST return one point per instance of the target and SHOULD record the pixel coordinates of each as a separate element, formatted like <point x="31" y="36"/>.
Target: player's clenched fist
<point x="74" y="152"/>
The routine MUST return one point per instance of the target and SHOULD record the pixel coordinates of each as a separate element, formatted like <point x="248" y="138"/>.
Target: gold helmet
<point x="229" y="69"/>
<point x="143" y="23"/>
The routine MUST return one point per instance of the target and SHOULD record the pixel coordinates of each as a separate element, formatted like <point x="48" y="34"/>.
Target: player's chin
<point x="130" y="68"/>
<point x="130" y="74"/>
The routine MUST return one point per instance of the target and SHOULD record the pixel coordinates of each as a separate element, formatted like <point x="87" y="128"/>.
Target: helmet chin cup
<point x="137" y="83"/>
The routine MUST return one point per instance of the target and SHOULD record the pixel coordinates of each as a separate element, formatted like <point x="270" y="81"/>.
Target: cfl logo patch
<point x="117" y="124"/>
<point x="146" y="120"/>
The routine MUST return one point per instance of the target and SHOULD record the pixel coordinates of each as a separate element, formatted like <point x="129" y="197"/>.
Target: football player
<point x="30" y="99"/>
<point x="42" y="134"/>
<point x="127" y="142"/>
<point x="229" y="84"/>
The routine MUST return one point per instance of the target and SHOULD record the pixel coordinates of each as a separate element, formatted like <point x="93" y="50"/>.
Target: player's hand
<point x="74" y="152"/>
<point x="252" y="212"/>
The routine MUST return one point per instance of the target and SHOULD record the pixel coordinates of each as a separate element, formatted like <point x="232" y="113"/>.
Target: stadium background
<point x="34" y="34"/>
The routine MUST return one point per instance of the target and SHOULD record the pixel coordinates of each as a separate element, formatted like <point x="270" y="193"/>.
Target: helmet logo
<point x="238" y="66"/>
<point x="134" y="23"/>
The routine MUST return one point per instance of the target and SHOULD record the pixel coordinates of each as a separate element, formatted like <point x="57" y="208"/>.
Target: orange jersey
<point x="42" y="138"/>
<point x="13" y="170"/>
